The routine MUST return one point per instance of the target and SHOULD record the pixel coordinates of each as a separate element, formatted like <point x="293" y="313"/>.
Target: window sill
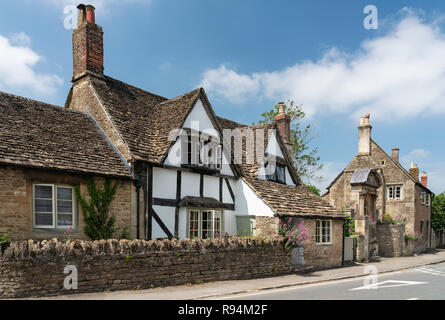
<point x="324" y="244"/>
<point x="200" y="168"/>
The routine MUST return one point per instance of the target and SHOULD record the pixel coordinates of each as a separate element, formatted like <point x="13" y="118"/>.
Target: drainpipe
<point x="138" y="184"/>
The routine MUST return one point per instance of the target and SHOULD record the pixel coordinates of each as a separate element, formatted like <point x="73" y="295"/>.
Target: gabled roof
<point x="284" y="200"/>
<point x="400" y="166"/>
<point x="39" y="135"/>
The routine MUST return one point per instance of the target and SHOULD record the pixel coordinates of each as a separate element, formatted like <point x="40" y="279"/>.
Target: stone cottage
<point x="375" y="183"/>
<point x="174" y="166"/>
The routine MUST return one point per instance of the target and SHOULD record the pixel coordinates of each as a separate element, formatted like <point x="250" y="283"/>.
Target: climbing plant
<point x="98" y="224"/>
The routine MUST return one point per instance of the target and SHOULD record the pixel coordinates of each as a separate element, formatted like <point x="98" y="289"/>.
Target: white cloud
<point x="398" y="74"/>
<point x="20" y="39"/>
<point x="16" y="67"/>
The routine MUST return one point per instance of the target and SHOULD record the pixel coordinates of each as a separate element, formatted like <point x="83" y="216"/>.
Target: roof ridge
<point x="45" y="104"/>
<point x="137" y="88"/>
<point x="180" y="96"/>
<point x="395" y="162"/>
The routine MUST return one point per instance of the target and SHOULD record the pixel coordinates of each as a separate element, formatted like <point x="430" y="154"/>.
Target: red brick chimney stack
<point x="283" y="124"/>
<point x="424" y="179"/>
<point x="88" y="48"/>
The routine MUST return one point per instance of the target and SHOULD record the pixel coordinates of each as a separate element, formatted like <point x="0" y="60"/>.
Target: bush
<point x="349" y="229"/>
<point x="411" y="237"/>
<point x="6" y="238"/>
<point x="387" y="220"/>
<point x="295" y="235"/>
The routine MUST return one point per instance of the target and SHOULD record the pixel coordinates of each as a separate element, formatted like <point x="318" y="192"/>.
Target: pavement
<point x="222" y="289"/>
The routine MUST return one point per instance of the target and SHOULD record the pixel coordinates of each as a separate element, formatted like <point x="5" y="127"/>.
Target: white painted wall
<point x="182" y="223"/>
<point x="167" y="215"/>
<point x="164" y="183"/>
<point x="174" y="155"/>
<point x="227" y="198"/>
<point x="189" y="184"/>
<point x="248" y="202"/>
<point x="211" y="187"/>
<point x="273" y="147"/>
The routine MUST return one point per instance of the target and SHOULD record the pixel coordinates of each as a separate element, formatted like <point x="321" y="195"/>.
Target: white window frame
<point x="427" y="199"/>
<point x="54" y="206"/>
<point x="200" y="212"/>
<point x="319" y="237"/>
<point x="394" y="192"/>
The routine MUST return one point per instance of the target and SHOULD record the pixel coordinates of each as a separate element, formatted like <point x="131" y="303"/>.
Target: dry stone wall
<point x="29" y="268"/>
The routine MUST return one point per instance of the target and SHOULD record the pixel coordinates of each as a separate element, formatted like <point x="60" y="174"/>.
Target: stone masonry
<point x="37" y="268"/>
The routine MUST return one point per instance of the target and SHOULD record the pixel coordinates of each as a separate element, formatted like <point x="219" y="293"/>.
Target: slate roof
<point x="39" y="135"/>
<point x="284" y="200"/>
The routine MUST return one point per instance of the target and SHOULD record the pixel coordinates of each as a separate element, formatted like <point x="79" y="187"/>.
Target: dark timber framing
<point x="230" y="190"/>
<point x="201" y="185"/>
<point x="220" y="189"/>
<point x="161" y="224"/>
<point x="178" y="198"/>
<point x="150" y="203"/>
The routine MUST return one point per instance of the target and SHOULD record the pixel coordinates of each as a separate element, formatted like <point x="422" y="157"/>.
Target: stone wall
<point x="37" y="268"/>
<point x="324" y="255"/>
<point x="16" y="203"/>
<point x="391" y="239"/>
<point x="266" y="226"/>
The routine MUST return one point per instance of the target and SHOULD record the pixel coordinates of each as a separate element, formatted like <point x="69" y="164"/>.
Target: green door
<point x="245" y="225"/>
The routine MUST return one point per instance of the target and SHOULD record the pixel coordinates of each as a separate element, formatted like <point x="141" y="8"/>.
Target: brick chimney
<point x="395" y="154"/>
<point x="364" y="135"/>
<point x="424" y="179"/>
<point x="414" y="171"/>
<point x="283" y="124"/>
<point x="88" y="48"/>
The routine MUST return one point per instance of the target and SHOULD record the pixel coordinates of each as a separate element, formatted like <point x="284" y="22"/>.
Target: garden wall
<point x="31" y="268"/>
<point x="391" y="239"/>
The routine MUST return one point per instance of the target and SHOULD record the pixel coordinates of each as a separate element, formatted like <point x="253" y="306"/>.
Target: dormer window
<point x="202" y="151"/>
<point x="275" y="172"/>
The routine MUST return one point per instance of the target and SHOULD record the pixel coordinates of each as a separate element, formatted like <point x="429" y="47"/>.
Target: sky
<point x="248" y="55"/>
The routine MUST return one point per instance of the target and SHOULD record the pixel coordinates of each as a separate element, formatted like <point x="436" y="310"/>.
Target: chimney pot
<point x="90" y="14"/>
<point x="281" y="107"/>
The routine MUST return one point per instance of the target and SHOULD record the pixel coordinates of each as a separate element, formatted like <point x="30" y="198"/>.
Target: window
<point x="275" y="172"/>
<point x="422" y="197"/>
<point x="427" y="200"/>
<point x="394" y="192"/>
<point x="202" y="152"/>
<point x="421" y="226"/>
<point x="323" y="232"/>
<point x="54" y="206"/>
<point x="205" y="223"/>
<point x="383" y="162"/>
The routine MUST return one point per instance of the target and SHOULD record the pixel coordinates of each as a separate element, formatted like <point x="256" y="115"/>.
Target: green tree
<point x="98" y="224"/>
<point x="438" y="212"/>
<point x="306" y="159"/>
<point x="314" y="189"/>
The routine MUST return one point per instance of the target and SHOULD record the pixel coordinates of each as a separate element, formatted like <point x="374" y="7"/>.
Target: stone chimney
<point x="364" y="135"/>
<point x="424" y="179"/>
<point x="414" y="171"/>
<point x="283" y="124"/>
<point x="395" y="154"/>
<point x="88" y="48"/>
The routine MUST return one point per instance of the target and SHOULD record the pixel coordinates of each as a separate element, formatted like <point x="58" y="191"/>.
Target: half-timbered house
<point x="175" y="160"/>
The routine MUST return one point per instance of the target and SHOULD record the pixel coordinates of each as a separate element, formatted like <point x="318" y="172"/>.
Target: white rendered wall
<point x="211" y="187"/>
<point x="167" y="215"/>
<point x="189" y="184"/>
<point x="164" y="183"/>
<point x="248" y="202"/>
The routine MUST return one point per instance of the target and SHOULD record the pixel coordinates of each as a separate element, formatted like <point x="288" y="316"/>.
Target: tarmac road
<point x="421" y="283"/>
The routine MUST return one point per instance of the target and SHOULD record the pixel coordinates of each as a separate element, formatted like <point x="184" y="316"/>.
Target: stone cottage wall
<point x="391" y="239"/>
<point x="16" y="202"/>
<point x="37" y="268"/>
<point x="324" y="255"/>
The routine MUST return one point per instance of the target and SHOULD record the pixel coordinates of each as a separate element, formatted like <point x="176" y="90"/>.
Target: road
<point x="422" y="283"/>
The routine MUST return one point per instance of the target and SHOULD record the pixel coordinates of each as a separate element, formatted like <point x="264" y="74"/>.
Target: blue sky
<point x="251" y="54"/>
